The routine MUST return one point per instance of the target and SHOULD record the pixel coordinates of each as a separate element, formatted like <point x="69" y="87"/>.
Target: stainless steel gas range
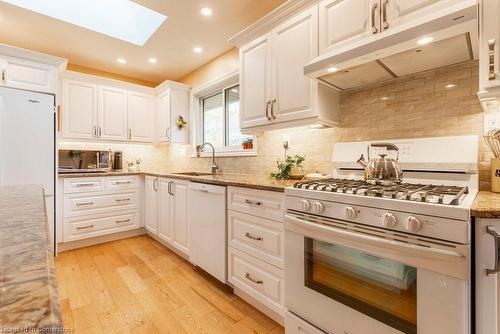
<point x="384" y="259"/>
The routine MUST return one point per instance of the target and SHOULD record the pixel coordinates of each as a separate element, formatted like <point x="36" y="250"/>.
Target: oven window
<point x="383" y="289"/>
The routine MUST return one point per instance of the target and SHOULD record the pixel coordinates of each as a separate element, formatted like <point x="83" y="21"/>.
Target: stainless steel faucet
<point x="198" y="154"/>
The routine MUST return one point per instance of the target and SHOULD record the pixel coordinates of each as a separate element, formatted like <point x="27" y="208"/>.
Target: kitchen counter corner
<point x="486" y="205"/>
<point x="28" y="298"/>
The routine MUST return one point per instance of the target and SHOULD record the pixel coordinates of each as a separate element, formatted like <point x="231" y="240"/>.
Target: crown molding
<point x="270" y="21"/>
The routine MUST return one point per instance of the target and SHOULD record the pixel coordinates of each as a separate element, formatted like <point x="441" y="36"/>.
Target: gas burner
<point x="447" y="195"/>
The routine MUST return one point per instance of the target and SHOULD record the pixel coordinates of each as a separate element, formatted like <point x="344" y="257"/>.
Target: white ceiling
<point x="172" y="44"/>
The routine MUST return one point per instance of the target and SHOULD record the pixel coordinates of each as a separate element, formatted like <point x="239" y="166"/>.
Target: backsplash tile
<point x="415" y="106"/>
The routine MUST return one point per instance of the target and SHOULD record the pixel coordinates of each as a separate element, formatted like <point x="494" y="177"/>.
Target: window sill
<point x="228" y="152"/>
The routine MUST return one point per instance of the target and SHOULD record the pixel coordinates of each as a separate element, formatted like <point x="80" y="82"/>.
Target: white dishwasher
<point x="207" y="229"/>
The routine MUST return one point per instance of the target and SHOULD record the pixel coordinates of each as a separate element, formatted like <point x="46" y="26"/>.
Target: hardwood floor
<point x="137" y="285"/>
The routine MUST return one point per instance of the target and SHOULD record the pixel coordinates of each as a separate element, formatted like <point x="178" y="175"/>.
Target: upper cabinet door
<point x="295" y="44"/>
<point x="112" y="115"/>
<point x="140" y="117"/>
<point x="179" y="106"/>
<point x="343" y="22"/>
<point x="79" y="110"/>
<point x="489" y="47"/>
<point x="25" y="74"/>
<point x="163" y="125"/>
<point x="255" y="82"/>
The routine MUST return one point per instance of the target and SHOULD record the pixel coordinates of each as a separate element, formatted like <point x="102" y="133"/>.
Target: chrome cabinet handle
<point x="249" y="277"/>
<point x="247" y="201"/>
<point x="129" y="133"/>
<point x="84" y="184"/>
<point x="84" y="227"/>
<point x="267" y="110"/>
<point x="249" y="236"/>
<point x="122" y="182"/>
<point x="99" y="132"/>
<point x="122" y="200"/>
<point x="272" y="109"/>
<point x="122" y="221"/>
<point x="84" y="203"/>
<point x="95" y="132"/>
<point x="374" y="27"/>
<point x="491" y="231"/>
<point x="385" y="24"/>
<point x="155" y="184"/>
<point x="167" y="130"/>
<point x="3" y="73"/>
<point x="491" y="59"/>
<point x="171" y="193"/>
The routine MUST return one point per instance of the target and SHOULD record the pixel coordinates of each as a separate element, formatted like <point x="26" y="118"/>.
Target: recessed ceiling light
<point x="206" y="11"/>
<point x="152" y="60"/>
<point x="197" y="49"/>
<point x="332" y="69"/>
<point x="384" y="98"/>
<point x="122" y="19"/>
<point x="425" y="40"/>
<point x="121" y="61"/>
<point x="450" y="86"/>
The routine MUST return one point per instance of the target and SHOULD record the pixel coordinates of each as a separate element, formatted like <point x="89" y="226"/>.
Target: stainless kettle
<point x="382" y="170"/>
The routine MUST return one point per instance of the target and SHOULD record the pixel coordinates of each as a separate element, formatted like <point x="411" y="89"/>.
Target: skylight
<point x="121" y="19"/>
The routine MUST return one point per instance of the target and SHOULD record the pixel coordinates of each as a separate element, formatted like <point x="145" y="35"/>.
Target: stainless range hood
<point x="397" y="54"/>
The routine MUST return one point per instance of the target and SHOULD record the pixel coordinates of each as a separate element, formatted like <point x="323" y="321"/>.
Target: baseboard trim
<point x="66" y="246"/>
<point x="259" y="306"/>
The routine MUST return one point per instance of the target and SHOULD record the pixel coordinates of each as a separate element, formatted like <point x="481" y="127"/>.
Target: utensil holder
<point x="495" y="175"/>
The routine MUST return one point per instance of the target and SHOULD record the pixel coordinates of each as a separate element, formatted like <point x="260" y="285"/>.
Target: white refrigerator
<point x="27" y="143"/>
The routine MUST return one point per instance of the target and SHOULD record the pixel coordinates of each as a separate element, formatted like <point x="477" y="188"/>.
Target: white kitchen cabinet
<point x="346" y="21"/>
<point x="25" y="74"/>
<point x="112" y="114"/>
<point x="274" y="93"/>
<point x="179" y="214"/>
<point x="163" y="126"/>
<point x="165" y="230"/>
<point x="489" y="47"/>
<point x="79" y="110"/>
<point x="255" y="82"/>
<point x="151" y="204"/>
<point x="487" y="280"/>
<point x="141" y="111"/>
<point x="173" y="101"/>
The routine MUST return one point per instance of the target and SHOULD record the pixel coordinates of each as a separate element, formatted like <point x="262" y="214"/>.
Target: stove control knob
<point x="413" y="224"/>
<point x="318" y="207"/>
<point x="350" y="213"/>
<point x="389" y="220"/>
<point x="304" y="205"/>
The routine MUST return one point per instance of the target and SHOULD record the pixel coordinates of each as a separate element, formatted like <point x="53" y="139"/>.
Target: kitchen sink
<point x="193" y="173"/>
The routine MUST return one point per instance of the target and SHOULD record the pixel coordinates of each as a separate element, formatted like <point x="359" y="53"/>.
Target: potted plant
<point x="292" y="168"/>
<point x="247" y="144"/>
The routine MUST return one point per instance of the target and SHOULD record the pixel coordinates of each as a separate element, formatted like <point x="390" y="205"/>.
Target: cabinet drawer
<point x="122" y="182"/>
<point x="258" y="279"/>
<point x="257" y="236"/>
<point x="84" y="184"/>
<point x="99" y="225"/>
<point x="78" y="205"/>
<point x="296" y="325"/>
<point x="261" y="203"/>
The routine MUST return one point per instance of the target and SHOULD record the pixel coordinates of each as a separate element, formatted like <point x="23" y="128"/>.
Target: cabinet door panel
<point x="163" y="126"/>
<point x="345" y="21"/>
<point x="179" y="215"/>
<point x="179" y="106"/>
<point x="292" y="90"/>
<point x="79" y="110"/>
<point x="151" y="204"/>
<point x="140" y="117"/>
<point x="165" y="231"/>
<point x="25" y="74"/>
<point x="112" y="114"/>
<point x="490" y="33"/>
<point x="255" y="82"/>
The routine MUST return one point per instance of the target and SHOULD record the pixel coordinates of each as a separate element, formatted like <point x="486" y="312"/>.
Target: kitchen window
<point x="218" y="116"/>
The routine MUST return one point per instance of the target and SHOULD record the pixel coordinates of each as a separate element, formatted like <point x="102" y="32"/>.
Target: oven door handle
<point x="407" y="249"/>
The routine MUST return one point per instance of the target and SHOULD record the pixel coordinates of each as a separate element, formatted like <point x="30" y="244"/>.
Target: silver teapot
<point x="382" y="170"/>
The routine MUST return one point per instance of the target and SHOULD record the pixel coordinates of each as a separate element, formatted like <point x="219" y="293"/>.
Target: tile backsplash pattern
<point x="415" y="106"/>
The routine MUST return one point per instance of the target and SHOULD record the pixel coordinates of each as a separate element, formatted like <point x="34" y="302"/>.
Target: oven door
<point x="353" y="279"/>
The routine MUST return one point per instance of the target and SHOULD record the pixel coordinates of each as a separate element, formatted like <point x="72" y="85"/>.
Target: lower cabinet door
<point x="151" y="204"/>
<point x="165" y="231"/>
<point x="179" y="215"/>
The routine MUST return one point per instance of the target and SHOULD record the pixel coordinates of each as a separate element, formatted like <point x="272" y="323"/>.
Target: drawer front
<point x="84" y="184"/>
<point x="261" y="203"/>
<point x="296" y="325"/>
<point x="258" y="279"/>
<point x="78" y="205"/>
<point x="257" y="236"/>
<point x="99" y="225"/>
<point x="122" y="182"/>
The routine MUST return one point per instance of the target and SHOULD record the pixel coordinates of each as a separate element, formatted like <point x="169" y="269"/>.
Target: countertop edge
<point x="486" y="205"/>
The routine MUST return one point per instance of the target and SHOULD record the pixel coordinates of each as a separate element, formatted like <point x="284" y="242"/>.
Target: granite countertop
<point x="28" y="293"/>
<point x="262" y="182"/>
<point x="486" y="205"/>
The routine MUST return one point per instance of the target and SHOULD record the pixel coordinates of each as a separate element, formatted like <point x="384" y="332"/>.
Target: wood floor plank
<point x="138" y="286"/>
